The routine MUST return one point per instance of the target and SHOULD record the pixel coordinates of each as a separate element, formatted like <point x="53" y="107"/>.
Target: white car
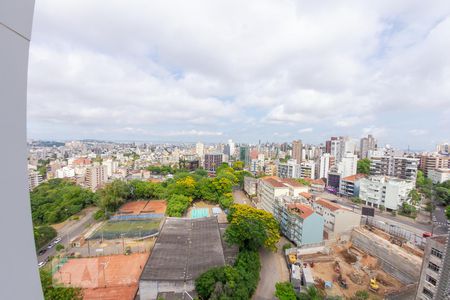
<point x="41" y="264"/>
<point x="57" y="240"/>
<point x="50" y="246"/>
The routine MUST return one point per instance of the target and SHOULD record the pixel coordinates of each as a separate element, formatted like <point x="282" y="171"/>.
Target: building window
<point x="431" y="280"/>
<point x="436" y="253"/>
<point x="433" y="267"/>
<point x="427" y="293"/>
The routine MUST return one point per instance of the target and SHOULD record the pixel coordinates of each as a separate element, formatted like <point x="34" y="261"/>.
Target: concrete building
<point x="349" y="186"/>
<point x="348" y="164"/>
<point x="273" y="187"/>
<point x="323" y="165"/>
<point x="434" y="276"/>
<point x="184" y="249"/>
<point x="96" y="176"/>
<point x="244" y="155"/>
<point x="298" y="222"/>
<point x="367" y="144"/>
<point x="439" y="175"/>
<point x="387" y="191"/>
<point x="334" y="181"/>
<point x="34" y="179"/>
<point x="289" y="169"/>
<point x="111" y="166"/>
<point x="443" y="149"/>
<point x="65" y="172"/>
<point x="250" y="185"/>
<point x="400" y="167"/>
<point x="297" y="151"/>
<point x="433" y="161"/>
<point x="200" y="149"/>
<point x="307" y="170"/>
<point x="189" y="162"/>
<point x="212" y="161"/>
<point x="337" y="219"/>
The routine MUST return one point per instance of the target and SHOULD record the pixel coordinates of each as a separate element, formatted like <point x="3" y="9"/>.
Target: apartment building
<point x="433" y="161"/>
<point x="250" y="185"/>
<point x="212" y="161"/>
<point x="270" y="188"/>
<point x="394" y="166"/>
<point x="387" y="191"/>
<point x="367" y="144"/>
<point x="323" y="165"/>
<point x="34" y="179"/>
<point x="297" y="151"/>
<point x="349" y="186"/>
<point x="348" y="164"/>
<point x="298" y="222"/>
<point x="289" y="169"/>
<point x="65" y="172"/>
<point x="307" y="170"/>
<point x="439" y="175"/>
<point x="96" y="176"/>
<point x="434" y="275"/>
<point x="337" y="219"/>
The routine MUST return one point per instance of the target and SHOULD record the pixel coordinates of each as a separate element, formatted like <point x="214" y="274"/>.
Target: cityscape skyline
<point x="159" y="74"/>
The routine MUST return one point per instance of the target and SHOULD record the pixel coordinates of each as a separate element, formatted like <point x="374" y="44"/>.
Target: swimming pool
<point x="199" y="213"/>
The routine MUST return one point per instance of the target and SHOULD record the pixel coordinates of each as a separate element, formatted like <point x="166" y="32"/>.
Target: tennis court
<point x="128" y="229"/>
<point x="199" y="213"/>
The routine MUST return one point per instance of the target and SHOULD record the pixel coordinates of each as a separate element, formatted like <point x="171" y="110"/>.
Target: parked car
<point x="50" y="246"/>
<point x="58" y="239"/>
<point x="427" y="234"/>
<point x="41" y="264"/>
<point x="42" y="251"/>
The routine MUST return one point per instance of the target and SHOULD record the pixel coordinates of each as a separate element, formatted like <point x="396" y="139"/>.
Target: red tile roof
<point x="306" y="195"/>
<point x="292" y="182"/>
<point x="353" y="178"/>
<point x="302" y="210"/>
<point x="274" y="182"/>
<point x="327" y="204"/>
<point x="318" y="181"/>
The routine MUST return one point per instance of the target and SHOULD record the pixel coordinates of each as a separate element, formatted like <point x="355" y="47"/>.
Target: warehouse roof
<point x="185" y="249"/>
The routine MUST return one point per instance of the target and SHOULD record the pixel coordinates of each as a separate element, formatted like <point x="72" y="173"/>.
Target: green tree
<point x="310" y="293"/>
<point x="361" y="295"/>
<point x="363" y="166"/>
<point x="415" y="197"/>
<point x="59" y="247"/>
<point x="447" y="212"/>
<point x="43" y="234"/>
<point x="53" y="292"/>
<point x="177" y="205"/>
<point x="113" y="195"/>
<point x="304" y="181"/>
<point x="251" y="228"/>
<point x="285" y="291"/>
<point x="238" y="165"/>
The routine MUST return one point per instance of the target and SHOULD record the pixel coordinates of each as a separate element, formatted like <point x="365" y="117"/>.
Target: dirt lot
<point x="356" y="268"/>
<point x="143" y="206"/>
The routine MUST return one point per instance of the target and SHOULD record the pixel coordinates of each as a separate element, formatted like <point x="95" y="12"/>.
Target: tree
<point x="177" y="205"/>
<point x="415" y="197"/>
<point x="59" y="247"/>
<point x="285" y="291"/>
<point x="52" y="292"/>
<point x="447" y="212"/>
<point x="363" y="166"/>
<point x="251" y="228"/>
<point x="43" y="234"/>
<point x="238" y="165"/>
<point x="113" y="195"/>
<point x="310" y="293"/>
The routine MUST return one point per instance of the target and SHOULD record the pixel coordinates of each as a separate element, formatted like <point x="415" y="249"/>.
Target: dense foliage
<point x="57" y="199"/>
<point x="285" y="291"/>
<point x="363" y="166"/>
<point x="52" y="292"/>
<point x="43" y="234"/>
<point x="177" y="205"/>
<point x="226" y="283"/>
<point x="251" y="228"/>
<point x="424" y="184"/>
<point x="442" y="192"/>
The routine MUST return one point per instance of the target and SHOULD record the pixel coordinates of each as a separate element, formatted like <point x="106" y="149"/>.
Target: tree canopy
<point x="57" y="199"/>
<point x="251" y="228"/>
<point x="363" y="166"/>
<point x="285" y="291"/>
<point x="52" y="292"/>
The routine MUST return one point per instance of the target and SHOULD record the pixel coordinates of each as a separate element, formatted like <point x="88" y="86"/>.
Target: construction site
<point x="364" y="259"/>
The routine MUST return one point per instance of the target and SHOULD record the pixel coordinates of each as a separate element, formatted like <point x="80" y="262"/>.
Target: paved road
<point x="439" y="219"/>
<point x="273" y="270"/>
<point x="69" y="231"/>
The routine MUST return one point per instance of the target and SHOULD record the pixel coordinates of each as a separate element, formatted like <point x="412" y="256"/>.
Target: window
<point x="431" y="280"/>
<point x="436" y="253"/>
<point x="427" y="293"/>
<point x="433" y="267"/>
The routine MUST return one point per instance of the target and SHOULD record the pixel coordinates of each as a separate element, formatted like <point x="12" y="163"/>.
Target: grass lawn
<point x="113" y="229"/>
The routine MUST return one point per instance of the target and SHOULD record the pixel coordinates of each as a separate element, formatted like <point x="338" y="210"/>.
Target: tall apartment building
<point x="328" y="144"/>
<point x="307" y="170"/>
<point x="244" y="155"/>
<point x="439" y="175"/>
<point x="387" y="191"/>
<point x="434" y="282"/>
<point x="96" y="176"/>
<point x="289" y="169"/>
<point x="367" y="144"/>
<point x="348" y="164"/>
<point x="432" y="162"/>
<point x="111" y="166"/>
<point x="200" y="149"/>
<point x="400" y="167"/>
<point x="323" y="165"/>
<point x="212" y="161"/>
<point x="34" y="179"/>
<point x="443" y="148"/>
<point x="297" y="151"/>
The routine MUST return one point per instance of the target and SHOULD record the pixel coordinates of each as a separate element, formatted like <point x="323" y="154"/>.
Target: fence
<point x="396" y="231"/>
<point x="136" y="217"/>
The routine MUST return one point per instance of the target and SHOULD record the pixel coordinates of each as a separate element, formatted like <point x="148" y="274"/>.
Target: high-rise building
<point x="348" y="164"/>
<point x="200" y="149"/>
<point x="34" y="179"/>
<point x="434" y="282"/>
<point x="231" y="148"/>
<point x="432" y="162"/>
<point x="443" y="148"/>
<point x="96" y="176"/>
<point x="212" y="161"/>
<point x="400" y="167"/>
<point x="367" y="144"/>
<point x="323" y="165"/>
<point x="297" y="149"/>
<point x="328" y="144"/>
<point x="244" y="155"/>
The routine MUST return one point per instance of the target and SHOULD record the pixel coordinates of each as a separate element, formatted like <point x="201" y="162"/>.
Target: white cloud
<point x="418" y="132"/>
<point x="309" y="129"/>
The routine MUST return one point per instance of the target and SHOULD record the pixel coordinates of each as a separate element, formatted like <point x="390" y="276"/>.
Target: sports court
<point x="127" y="228"/>
<point x="111" y="277"/>
<point x="143" y="207"/>
<point x="197" y="213"/>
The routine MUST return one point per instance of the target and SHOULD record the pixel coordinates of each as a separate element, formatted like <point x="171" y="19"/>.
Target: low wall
<point x="391" y="258"/>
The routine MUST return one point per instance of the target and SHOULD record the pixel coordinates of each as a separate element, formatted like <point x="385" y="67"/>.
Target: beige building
<point x="96" y="176"/>
<point x="337" y="219"/>
<point x="439" y="175"/>
<point x="297" y="151"/>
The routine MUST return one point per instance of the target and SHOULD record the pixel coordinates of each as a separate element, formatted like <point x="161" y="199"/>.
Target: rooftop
<point x="185" y="249"/>
<point x="302" y="210"/>
<point x="353" y="178"/>
<point x="327" y="204"/>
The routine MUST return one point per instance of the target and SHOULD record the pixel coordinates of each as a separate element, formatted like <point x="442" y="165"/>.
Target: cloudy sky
<point x="274" y="70"/>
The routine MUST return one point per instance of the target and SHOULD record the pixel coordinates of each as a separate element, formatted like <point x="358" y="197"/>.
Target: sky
<point x="269" y="70"/>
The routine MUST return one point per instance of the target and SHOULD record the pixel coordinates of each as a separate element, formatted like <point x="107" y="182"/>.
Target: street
<point x="69" y="231"/>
